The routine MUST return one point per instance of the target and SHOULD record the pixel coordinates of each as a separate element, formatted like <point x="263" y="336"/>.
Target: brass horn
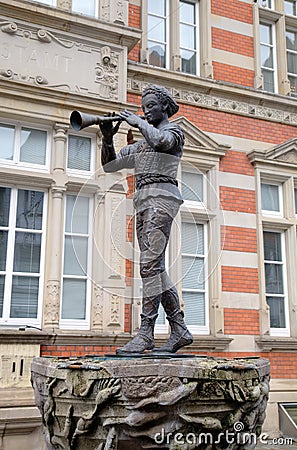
<point x="79" y="120"/>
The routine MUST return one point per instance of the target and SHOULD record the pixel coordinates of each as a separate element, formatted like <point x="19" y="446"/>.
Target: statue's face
<point x="153" y="109"/>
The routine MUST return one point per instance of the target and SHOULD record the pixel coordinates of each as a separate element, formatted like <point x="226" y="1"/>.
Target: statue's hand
<point x="131" y="118"/>
<point x="107" y="129"/>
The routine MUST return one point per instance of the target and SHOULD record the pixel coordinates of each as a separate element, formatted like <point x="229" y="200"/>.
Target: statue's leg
<point x="152" y="239"/>
<point x="180" y="336"/>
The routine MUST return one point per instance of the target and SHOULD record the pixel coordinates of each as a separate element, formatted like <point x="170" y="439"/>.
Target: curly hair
<point x="164" y="96"/>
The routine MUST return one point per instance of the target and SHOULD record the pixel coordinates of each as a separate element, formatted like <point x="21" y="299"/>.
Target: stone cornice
<point x="210" y="94"/>
<point x="273" y="343"/>
<point x="62" y="20"/>
<point x="52" y="337"/>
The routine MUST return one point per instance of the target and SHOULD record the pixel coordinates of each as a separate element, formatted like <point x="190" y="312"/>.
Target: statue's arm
<point x="112" y="161"/>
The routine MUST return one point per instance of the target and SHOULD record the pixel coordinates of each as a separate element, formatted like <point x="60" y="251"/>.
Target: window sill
<point x="275" y="343"/>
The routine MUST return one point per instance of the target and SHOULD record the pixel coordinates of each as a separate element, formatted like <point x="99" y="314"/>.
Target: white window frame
<point x="9" y="272"/>
<point x="193" y="205"/>
<point x="166" y="43"/>
<point x="15" y="162"/>
<point x="290" y="74"/>
<point x="79" y="324"/>
<point x="197" y="40"/>
<point x="279" y="213"/>
<point x="77" y="172"/>
<point x="286" y="330"/>
<point x="96" y="6"/>
<point x="44" y="2"/>
<point x="200" y="329"/>
<point x="274" y="54"/>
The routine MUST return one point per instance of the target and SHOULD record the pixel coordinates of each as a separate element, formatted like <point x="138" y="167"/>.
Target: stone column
<point x="55" y="230"/>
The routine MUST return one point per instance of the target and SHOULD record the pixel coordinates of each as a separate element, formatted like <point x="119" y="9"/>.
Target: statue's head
<point x="163" y="96"/>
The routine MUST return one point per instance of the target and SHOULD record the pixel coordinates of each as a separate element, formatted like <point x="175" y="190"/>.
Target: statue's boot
<point x="179" y="337"/>
<point x="144" y="339"/>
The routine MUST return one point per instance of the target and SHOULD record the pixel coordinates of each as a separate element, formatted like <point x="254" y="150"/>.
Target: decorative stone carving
<point x="114" y="310"/>
<point x="224" y="104"/>
<point x="43" y="57"/>
<point x="52" y="304"/>
<point x="65" y="4"/>
<point x="114" y="403"/>
<point x="97" y="313"/>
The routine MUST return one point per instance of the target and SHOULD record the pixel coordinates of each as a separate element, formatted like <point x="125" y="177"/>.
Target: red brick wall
<point x="129" y="229"/>
<point x="238" y="239"/>
<point x="127" y="318"/>
<point x="135" y="22"/>
<point x="240" y="279"/>
<point x="130" y="182"/>
<point x="236" y="162"/>
<point x="233" y="9"/>
<point x="233" y="74"/>
<point x="235" y="199"/>
<point x="241" y="321"/>
<point x="129" y="272"/>
<point x="232" y="42"/>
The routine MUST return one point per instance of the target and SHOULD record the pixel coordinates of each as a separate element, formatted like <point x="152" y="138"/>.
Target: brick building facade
<point x="69" y="282"/>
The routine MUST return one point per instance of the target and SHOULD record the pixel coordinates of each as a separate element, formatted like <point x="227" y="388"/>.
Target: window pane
<point x="265" y="34"/>
<point x="270" y="197"/>
<point x="187" y="36"/>
<point x="188" y="61"/>
<point x="291" y="40"/>
<point x="4" y="206"/>
<point x="3" y="249"/>
<point x="157" y="54"/>
<point x="27" y="252"/>
<point x="192" y="238"/>
<point x="277" y="312"/>
<point x="266" y="57"/>
<point x="293" y="85"/>
<point x="193" y="273"/>
<point x="290" y="7"/>
<point x="187" y="12"/>
<point x="33" y="146"/>
<point x="192" y="186"/>
<point x="76" y="253"/>
<point x="194" y="308"/>
<point x="74" y="299"/>
<point x="274" y="278"/>
<point x="79" y="153"/>
<point x="29" y="209"/>
<point x="292" y="62"/>
<point x="2" y="282"/>
<point x="6" y="141"/>
<point x="156" y="29"/>
<point x="24" y="297"/>
<point x="84" y="7"/>
<point x="268" y="77"/>
<point x="156" y="7"/>
<point x="77" y="214"/>
<point x="272" y="246"/>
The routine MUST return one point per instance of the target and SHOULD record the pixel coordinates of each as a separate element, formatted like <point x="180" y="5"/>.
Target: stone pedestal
<point x="171" y="402"/>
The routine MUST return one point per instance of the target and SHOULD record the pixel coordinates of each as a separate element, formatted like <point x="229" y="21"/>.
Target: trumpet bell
<point x="79" y="120"/>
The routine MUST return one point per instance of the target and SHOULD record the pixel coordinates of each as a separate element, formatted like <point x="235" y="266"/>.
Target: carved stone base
<point x="104" y="403"/>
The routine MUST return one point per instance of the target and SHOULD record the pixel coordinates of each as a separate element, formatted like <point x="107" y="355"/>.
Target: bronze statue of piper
<point x="155" y="160"/>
